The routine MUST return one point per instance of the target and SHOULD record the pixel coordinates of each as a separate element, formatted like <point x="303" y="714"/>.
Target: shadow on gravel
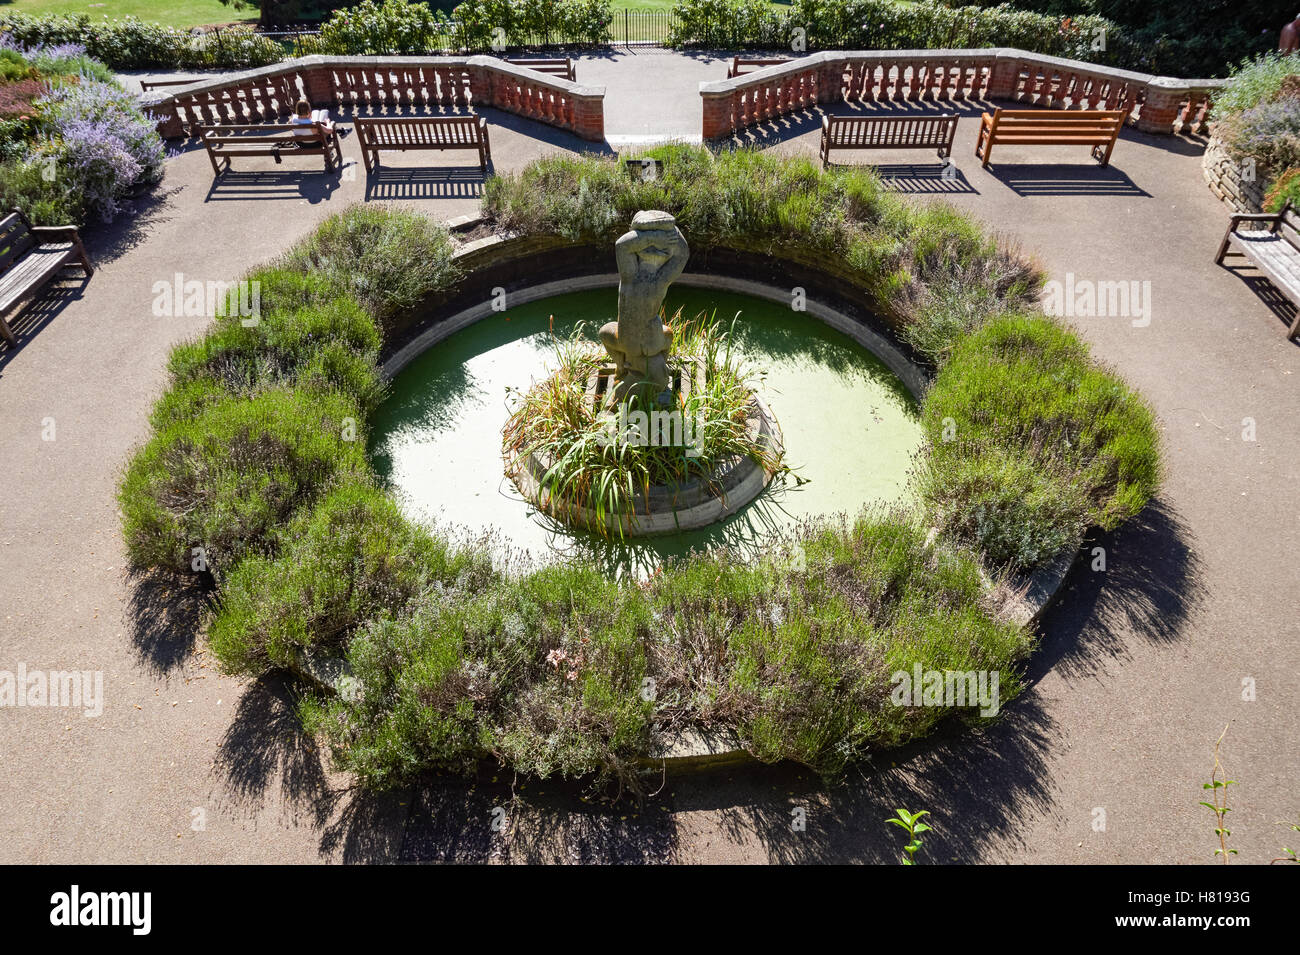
<point x="1150" y="588"/>
<point x="488" y="820"/>
<point x="166" y="613"/>
<point x="266" y="758"/>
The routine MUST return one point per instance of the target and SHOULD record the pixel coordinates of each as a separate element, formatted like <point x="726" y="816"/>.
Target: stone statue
<point x="650" y="257"/>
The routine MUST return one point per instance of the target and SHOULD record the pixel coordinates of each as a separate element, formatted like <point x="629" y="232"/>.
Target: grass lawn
<point x="176" y="13"/>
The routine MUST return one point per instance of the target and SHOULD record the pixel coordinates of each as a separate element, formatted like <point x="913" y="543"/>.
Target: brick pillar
<point x="162" y="109"/>
<point x="830" y="81"/>
<point x="1004" y="77"/>
<point x="589" y="115"/>
<point x="1162" y="106"/>
<point x="480" y="85"/>
<point x="717" y="114"/>
<point x="319" y="80"/>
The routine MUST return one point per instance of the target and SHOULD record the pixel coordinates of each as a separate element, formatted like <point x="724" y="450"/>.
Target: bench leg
<point x="7" y="334"/>
<point x="984" y="143"/>
<point x="1295" y="327"/>
<point x="1103" y="158"/>
<point x="1223" y="246"/>
<point x="85" y="259"/>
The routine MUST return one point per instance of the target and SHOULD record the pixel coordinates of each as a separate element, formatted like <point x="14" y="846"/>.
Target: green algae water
<point x="849" y="425"/>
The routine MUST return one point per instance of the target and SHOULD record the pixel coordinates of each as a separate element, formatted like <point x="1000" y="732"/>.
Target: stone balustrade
<point x="1155" y="104"/>
<point x="384" y="85"/>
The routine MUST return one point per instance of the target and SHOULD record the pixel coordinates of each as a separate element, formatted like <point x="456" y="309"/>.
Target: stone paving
<point x="1140" y="669"/>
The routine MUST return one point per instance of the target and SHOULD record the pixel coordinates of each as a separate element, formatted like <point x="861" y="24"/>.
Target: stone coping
<point x="986" y="54"/>
<point x="691" y="748"/>
<point x="318" y="61"/>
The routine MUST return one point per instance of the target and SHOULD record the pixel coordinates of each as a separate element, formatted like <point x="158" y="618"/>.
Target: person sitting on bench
<point x="312" y="125"/>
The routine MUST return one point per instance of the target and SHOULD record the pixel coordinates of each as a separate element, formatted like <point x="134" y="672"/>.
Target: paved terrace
<point x="1140" y="668"/>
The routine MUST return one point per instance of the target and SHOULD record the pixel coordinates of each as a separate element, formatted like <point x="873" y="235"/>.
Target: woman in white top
<point x="311" y="125"/>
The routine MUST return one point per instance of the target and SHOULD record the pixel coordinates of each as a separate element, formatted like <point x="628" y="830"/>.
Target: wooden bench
<point x="887" y="132"/>
<point x="30" y="257"/>
<point x="562" y="67"/>
<point x="741" y="65"/>
<point x="422" y="132"/>
<point x="269" y="139"/>
<point x="1098" y="128"/>
<point x="1275" y="251"/>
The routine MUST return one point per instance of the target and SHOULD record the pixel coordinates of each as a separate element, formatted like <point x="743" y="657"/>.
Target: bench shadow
<point x="427" y="182"/>
<point x="915" y="178"/>
<point x="1065" y="179"/>
<point x="314" y="185"/>
<point x="33" y="315"/>
<point x="1282" y="307"/>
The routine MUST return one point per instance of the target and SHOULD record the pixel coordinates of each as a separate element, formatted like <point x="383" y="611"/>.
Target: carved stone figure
<point x="650" y="257"/>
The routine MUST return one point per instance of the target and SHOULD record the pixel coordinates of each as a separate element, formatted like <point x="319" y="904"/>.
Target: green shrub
<point x="532" y="22"/>
<point x="351" y="558"/>
<point x="388" y="259"/>
<point x="131" y="44"/>
<point x="331" y="346"/>
<point x="1286" y="188"/>
<point x="1029" y="442"/>
<point x="25" y="184"/>
<point x="752" y="199"/>
<point x="387" y="27"/>
<point x="226" y="480"/>
<point x="545" y="672"/>
<point x="1254" y="81"/>
<point x="885" y="25"/>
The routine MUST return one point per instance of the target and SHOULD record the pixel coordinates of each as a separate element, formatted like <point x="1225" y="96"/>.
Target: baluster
<point x="900" y="77"/>
<point x="941" y="90"/>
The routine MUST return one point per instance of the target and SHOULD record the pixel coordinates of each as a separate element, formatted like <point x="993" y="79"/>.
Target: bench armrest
<point x="826" y="123"/>
<point x="53" y="230"/>
<point x="1255" y="217"/>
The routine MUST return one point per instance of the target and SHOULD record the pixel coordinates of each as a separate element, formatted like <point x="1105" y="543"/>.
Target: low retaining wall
<point x="1224" y="176"/>
<point x="384" y="84"/>
<point x="1155" y="104"/>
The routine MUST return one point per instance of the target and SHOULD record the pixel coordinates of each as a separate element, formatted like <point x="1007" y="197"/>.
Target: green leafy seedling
<point x="911" y="821"/>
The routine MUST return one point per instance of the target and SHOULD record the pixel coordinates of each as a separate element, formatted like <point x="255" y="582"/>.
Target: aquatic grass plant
<point x="601" y="459"/>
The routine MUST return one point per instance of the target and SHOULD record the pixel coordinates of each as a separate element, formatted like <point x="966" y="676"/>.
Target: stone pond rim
<point x="514" y="263"/>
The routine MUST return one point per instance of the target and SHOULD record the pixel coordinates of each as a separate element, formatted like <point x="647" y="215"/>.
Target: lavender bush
<point x="89" y="148"/>
<point x="1268" y="133"/>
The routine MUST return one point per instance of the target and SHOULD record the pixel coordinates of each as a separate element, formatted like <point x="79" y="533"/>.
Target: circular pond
<point x="849" y="425"/>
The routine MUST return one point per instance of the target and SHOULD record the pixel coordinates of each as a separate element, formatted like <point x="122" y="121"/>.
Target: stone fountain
<point x="650" y="257"/>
